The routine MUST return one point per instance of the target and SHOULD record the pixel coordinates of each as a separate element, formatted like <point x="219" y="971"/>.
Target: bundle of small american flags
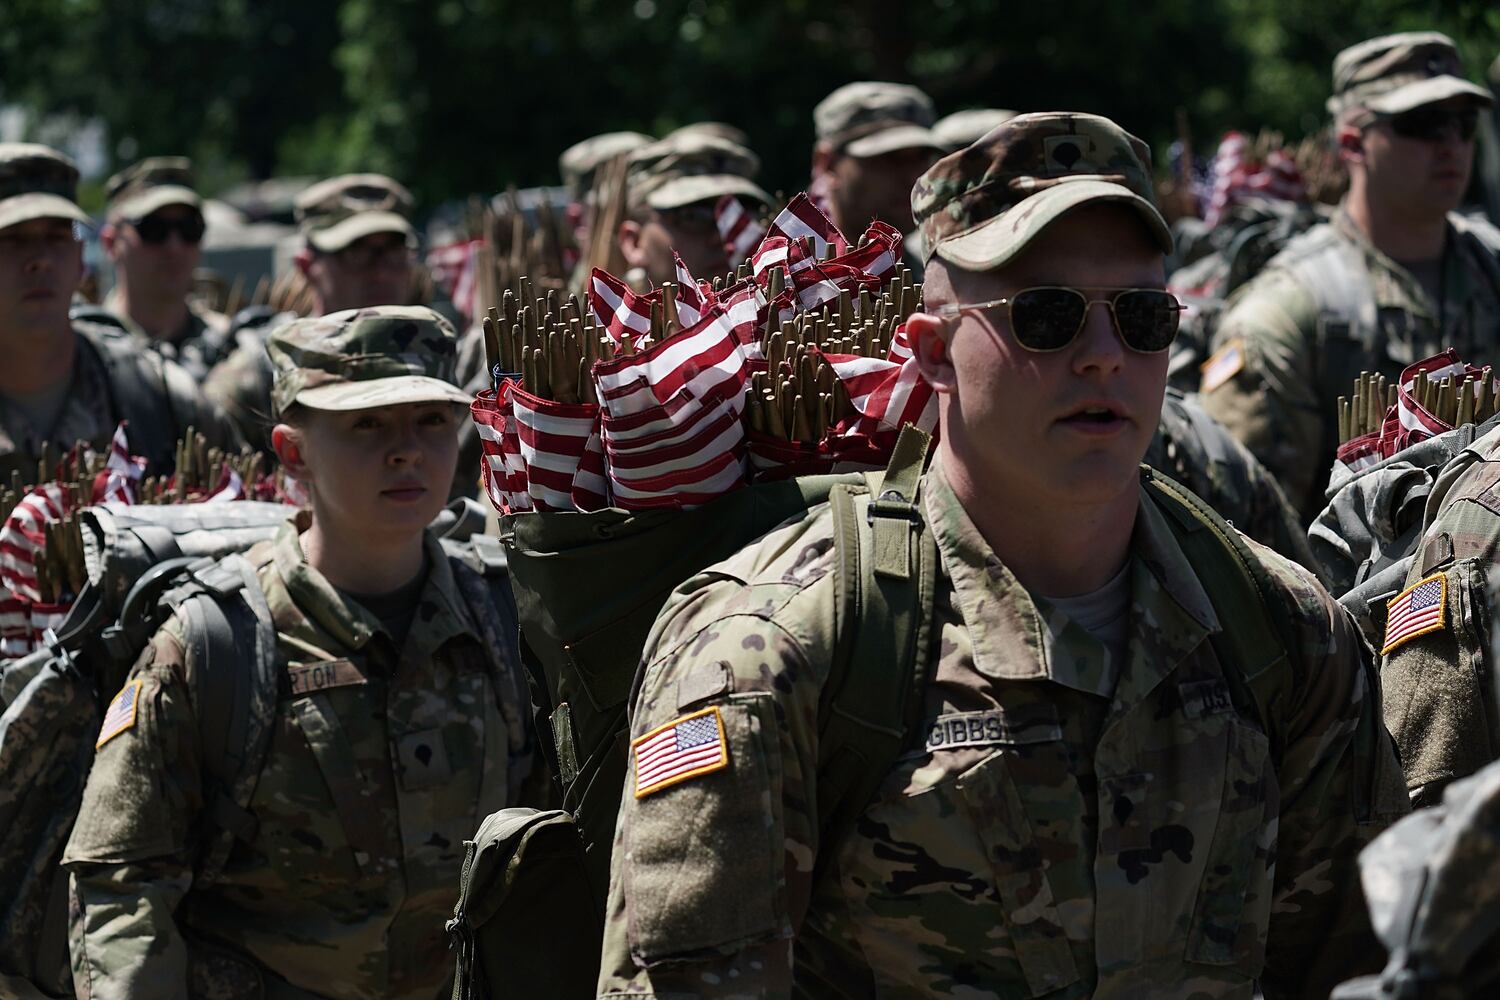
<point x="1237" y="173"/>
<point x="795" y="365"/>
<point x="1433" y="396"/>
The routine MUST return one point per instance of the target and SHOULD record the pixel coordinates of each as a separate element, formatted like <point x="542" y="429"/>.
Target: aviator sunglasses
<point x="1049" y="318"/>
<point x="1433" y="124"/>
<point x="155" y="229"/>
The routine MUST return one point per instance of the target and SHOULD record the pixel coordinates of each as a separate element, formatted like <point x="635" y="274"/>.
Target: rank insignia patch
<point x="684" y="748"/>
<point x="1415" y="611"/>
<point x="120" y="715"/>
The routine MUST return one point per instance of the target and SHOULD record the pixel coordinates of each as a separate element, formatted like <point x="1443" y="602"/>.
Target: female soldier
<point x="396" y="728"/>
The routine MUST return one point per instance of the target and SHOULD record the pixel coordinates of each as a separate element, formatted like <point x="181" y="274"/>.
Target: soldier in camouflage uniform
<point x="65" y="381"/>
<point x="397" y="729"/>
<point x="1091" y="813"/>
<point x="673" y="188"/>
<point x="153" y="237"/>
<point x="1197" y="451"/>
<point x="359" y="252"/>
<point x="1395" y="277"/>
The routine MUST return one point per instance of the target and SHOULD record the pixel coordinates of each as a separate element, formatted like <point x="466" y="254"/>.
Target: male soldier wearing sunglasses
<point x="153" y="237"/>
<point x="64" y="381"/>
<point x="673" y="188"/>
<point x="358" y="253"/>
<point x="1125" y="772"/>
<point x="1395" y="277"/>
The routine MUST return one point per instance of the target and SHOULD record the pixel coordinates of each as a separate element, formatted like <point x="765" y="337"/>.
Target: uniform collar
<point x="441" y="612"/>
<point x="1011" y="638"/>
<point x="1394" y="286"/>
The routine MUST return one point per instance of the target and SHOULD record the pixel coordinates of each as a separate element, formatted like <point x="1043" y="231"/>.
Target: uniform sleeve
<point x="1260" y="384"/>
<point x="1438" y="701"/>
<point x="128" y="857"/>
<point x="1340" y="786"/>
<point x="713" y="857"/>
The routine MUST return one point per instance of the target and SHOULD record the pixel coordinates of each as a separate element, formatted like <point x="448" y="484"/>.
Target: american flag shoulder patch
<point x="1417" y="610"/>
<point x="684" y="748"/>
<point x="120" y="715"/>
<point x="1223" y="366"/>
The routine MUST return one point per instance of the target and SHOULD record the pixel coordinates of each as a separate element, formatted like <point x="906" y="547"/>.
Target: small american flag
<point x="685" y="748"/>
<point x="621" y="311"/>
<point x="737" y="228"/>
<point x="803" y="218"/>
<point x="121" y="713"/>
<point x="552" y="438"/>
<point x="1416" y="611"/>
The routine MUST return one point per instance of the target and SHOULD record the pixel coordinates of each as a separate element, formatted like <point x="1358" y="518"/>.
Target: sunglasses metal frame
<point x="955" y="310"/>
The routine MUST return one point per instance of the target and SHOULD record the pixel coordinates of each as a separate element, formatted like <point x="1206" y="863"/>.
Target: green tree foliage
<point x="458" y="96"/>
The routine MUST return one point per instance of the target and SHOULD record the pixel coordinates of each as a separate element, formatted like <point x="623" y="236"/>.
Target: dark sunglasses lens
<point x="1046" y="319"/>
<point x="1434" y="125"/>
<point x="1148" y="319"/>
<point x="156" y="230"/>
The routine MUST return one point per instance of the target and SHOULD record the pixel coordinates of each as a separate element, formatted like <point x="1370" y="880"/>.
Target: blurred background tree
<point x="463" y="96"/>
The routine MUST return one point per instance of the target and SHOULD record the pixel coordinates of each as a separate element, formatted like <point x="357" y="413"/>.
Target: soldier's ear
<point x="1351" y="143"/>
<point x="303" y="260"/>
<point x="286" y="441"/>
<point x="629" y="235"/>
<point x="822" y="159"/>
<point x="929" y="336"/>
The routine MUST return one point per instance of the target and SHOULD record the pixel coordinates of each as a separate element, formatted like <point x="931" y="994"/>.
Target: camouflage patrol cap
<point x="693" y="167"/>
<point x="871" y="118"/>
<point x="151" y="184"/>
<point x="1396" y="73"/>
<point x="361" y="358"/>
<point x="336" y="212"/>
<point x="580" y="161"/>
<point x="963" y="128"/>
<point x="37" y="182"/>
<point x="979" y="207"/>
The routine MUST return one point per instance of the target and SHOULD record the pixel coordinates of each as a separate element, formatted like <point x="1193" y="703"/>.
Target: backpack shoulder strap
<point x="1240" y="588"/>
<point x="142" y="396"/>
<point x="885" y="572"/>
<point x="229" y="624"/>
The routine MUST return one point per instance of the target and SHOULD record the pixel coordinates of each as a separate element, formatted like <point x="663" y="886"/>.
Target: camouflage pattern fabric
<point x="241" y="383"/>
<point x="1192" y="448"/>
<point x="112" y="381"/>
<point x="1053" y="162"/>
<point x="362" y="358"/>
<point x="1439" y="703"/>
<point x="382" y="761"/>
<point x="1286" y="351"/>
<point x="1069" y="826"/>
<point x="872" y="118"/>
<point x="1431" y="881"/>
<point x="197" y="348"/>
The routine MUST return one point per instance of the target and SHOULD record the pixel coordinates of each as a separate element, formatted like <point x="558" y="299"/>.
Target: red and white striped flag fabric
<point x="122" y="472"/>
<point x="591" y="482"/>
<point x="879" y="255"/>
<point x="1237" y="177"/>
<point x="552" y="437"/>
<point x="887" y="395"/>
<point x="692" y="303"/>
<point x="745" y="309"/>
<point x="802" y="218"/>
<point x="15" y="626"/>
<point x="618" y="309"/>
<point x="23" y="536"/>
<point x="671" y="418"/>
<point x="901" y="348"/>
<point x="684" y="748"/>
<point x="1416" y="420"/>
<point x="1416" y="611"/>
<point x="501" y="467"/>
<point x="737" y="227"/>
<point x="230" y="487"/>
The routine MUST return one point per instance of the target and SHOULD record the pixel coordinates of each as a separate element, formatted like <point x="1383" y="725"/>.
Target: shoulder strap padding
<point x="237" y="685"/>
<point x="885" y="576"/>
<point x="1255" y="651"/>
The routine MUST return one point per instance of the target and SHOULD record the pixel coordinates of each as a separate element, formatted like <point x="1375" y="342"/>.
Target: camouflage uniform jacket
<point x="1197" y="451"/>
<point x="1440" y="699"/>
<point x="1057" y="833"/>
<point x="198" y="347"/>
<point x="114" y="381"/>
<point x="1329" y="306"/>
<point x="381" y="763"/>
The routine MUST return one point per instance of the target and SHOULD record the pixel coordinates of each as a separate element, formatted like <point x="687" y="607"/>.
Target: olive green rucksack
<point x="530" y="916"/>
